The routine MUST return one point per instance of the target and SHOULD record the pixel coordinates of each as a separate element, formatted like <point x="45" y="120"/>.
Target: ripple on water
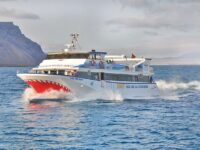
<point x="100" y="124"/>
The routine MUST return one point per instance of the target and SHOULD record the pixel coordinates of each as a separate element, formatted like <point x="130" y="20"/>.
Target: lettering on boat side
<point x="137" y="86"/>
<point x="75" y="78"/>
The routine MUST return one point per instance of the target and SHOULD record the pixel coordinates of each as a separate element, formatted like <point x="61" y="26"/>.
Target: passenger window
<point x="61" y="72"/>
<point x="53" y="72"/>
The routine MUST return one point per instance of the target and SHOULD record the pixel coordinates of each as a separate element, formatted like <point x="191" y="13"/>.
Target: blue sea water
<point x="169" y="122"/>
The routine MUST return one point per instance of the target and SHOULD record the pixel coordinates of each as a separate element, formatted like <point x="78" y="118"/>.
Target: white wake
<point x="30" y="94"/>
<point x="101" y="95"/>
<point x="175" y="85"/>
<point x="174" y="90"/>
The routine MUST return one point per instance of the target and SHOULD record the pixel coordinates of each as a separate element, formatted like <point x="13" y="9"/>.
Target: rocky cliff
<point x="16" y="49"/>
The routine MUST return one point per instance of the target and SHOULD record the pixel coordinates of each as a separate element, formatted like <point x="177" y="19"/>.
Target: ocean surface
<point x="169" y="122"/>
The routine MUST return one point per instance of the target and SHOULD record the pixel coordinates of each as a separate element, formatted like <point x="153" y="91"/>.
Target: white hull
<point x="80" y="87"/>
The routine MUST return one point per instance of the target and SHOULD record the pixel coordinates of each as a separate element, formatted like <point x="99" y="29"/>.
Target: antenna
<point x="74" y="42"/>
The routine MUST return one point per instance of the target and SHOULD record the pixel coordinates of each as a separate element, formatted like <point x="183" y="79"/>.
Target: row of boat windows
<point x="113" y="77"/>
<point x="54" y="72"/>
<point x="68" y="55"/>
<point x="101" y="76"/>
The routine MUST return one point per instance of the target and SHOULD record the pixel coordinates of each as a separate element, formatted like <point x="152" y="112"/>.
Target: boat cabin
<point x="97" y="55"/>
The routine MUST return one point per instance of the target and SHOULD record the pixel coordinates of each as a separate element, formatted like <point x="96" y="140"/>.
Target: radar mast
<point x="74" y="42"/>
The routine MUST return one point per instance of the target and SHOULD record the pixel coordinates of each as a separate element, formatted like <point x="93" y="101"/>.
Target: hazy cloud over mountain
<point x="14" y="14"/>
<point x="153" y="28"/>
<point x="6" y="0"/>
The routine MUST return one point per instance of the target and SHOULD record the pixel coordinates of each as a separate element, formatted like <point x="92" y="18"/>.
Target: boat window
<point x="151" y="79"/>
<point x="61" y="72"/>
<point x="102" y="76"/>
<point x="83" y="75"/>
<point x="123" y="77"/>
<point x="38" y="72"/>
<point x="118" y="77"/>
<point x="68" y="55"/>
<point x="135" y="78"/>
<point x="144" y="79"/>
<point x="45" y="72"/>
<point x="53" y="72"/>
<point x="95" y="76"/>
<point x="88" y="75"/>
<point x="96" y="56"/>
<point x="141" y="78"/>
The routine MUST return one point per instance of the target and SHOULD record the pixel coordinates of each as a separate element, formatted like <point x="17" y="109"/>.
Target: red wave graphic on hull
<point x="43" y="86"/>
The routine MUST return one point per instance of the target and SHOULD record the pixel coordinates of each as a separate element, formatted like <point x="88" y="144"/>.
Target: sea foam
<point x="173" y="85"/>
<point x="30" y="94"/>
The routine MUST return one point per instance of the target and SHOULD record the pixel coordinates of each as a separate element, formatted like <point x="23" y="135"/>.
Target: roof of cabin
<point x="98" y="53"/>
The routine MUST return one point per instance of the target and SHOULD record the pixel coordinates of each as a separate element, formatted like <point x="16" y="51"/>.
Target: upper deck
<point x="95" y="62"/>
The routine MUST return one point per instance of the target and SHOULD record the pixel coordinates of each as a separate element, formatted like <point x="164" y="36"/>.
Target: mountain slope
<point x="16" y="49"/>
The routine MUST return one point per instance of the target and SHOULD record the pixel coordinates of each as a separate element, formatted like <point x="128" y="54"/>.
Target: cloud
<point x="165" y="21"/>
<point x="134" y="3"/>
<point x="6" y="0"/>
<point x="150" y="22"/>
<point x="145" y="3"/>
<point x="176" y="14"/>
<point x="12" y="13"/>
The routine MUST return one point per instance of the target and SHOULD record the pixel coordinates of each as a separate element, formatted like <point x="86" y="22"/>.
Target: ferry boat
<point x="80" y="73"/>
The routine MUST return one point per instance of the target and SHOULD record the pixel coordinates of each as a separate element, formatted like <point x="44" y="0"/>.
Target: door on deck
<point x="102" y="79"/>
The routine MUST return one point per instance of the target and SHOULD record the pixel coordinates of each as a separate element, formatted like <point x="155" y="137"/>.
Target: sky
<point x="149" y="28"/>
